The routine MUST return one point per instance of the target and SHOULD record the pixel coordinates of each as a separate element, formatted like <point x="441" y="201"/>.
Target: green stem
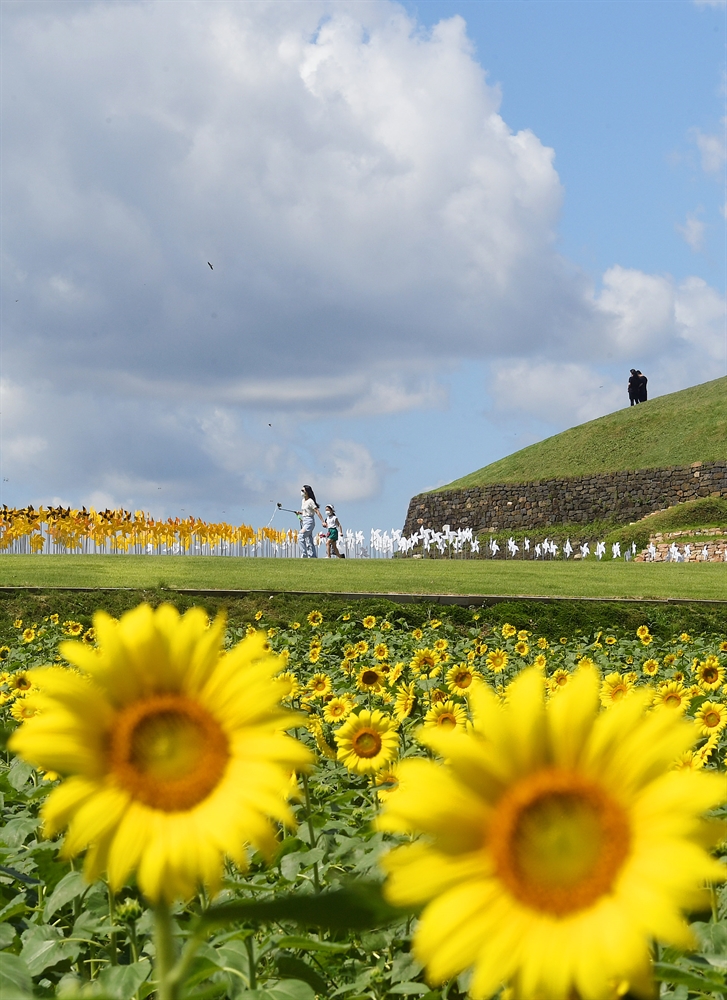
<point x="311" y="834"/>
<point x="167" y="985"/>
<point x="250" y="946"/>
<point x="113" y="943"/>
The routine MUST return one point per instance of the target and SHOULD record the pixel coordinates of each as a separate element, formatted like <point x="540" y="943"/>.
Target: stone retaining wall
<point x="621" y="496"/>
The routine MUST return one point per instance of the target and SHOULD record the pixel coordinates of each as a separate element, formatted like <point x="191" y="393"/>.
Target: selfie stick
<point x="288" y="510"/>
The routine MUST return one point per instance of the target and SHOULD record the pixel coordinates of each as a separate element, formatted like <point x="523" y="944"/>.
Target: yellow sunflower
<point x="434" y="623"/>
<point x="445" y="715"/>
<point x="711" y="717"/>
<point x="672" y="694"/>
<point x="292" y="684"/>
<point x="381" y="651"/>
<point x="723" y="647"/>
<point x="89" y="636"/>
<point x="558" y="843"/>
<point x="361" y="648"/>
<point x="24" y="708"/>
<point x="72" y="628"/>
<point x="460" y="677"/>
<point x="558" y="679"/>
<point x="405" y="701"/>
<point x="540" y="661"/>
<point x="337" y="709"/>
<point x="4" y="653"/>
<point x="614" y="688"/>
<point x="685" y="637"/>
<point x="174" y="752"/>
<point x="522" y="648"/>
<point x="315" y="618"/>
<point x="417" y="634"/>
<point x="424" y="660"/>
<point x="28" y="634"/>
<point x="542" y="643"/>
<point x="20" y="682"/>
<point x="385" y="782"/>
<point x="367" y="741"/>
<point x="497" y="660"/>
<point x="395" y="673"/>
<point x="440" y="645"/>
<point x="315" y="654"/>
<point x="319" y="686"/>
<point x="523" y="634"/>
<point x="369" y="622"/>
<point x="642" y="631"/>
<point x="508" y="631"/>
<point x="650" y="667"/>
<point x="710" y="675"/>
<point x="370" y="679"/>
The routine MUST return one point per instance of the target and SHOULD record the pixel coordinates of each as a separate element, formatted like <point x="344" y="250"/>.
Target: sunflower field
<point x="351" y="807"/>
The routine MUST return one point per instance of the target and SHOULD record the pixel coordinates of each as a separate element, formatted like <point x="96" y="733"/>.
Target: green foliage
<point x="677" y="429"/>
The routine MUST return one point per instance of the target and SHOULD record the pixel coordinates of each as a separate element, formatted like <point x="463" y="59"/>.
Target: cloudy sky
<point x="438" y="231"/>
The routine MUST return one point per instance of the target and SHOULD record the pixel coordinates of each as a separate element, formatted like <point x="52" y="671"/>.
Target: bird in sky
<point x="211" y="268"/>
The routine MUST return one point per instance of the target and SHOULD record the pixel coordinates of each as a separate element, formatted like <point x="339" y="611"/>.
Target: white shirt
<point x="308" y="508"/>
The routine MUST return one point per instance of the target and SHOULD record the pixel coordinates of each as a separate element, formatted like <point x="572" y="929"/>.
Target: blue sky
<point x="439" y="231"/>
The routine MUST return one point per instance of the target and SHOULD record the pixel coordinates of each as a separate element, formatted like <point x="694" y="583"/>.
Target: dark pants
<point x="634" y="399"/>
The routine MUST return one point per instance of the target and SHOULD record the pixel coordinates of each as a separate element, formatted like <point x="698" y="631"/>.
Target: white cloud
<point x="349" y="473"/>
<point x="693" y="232"/>
<point x="556" y="394"/>
<point x="712" y="147"/>
<point x="348" y="176"/>
<point x="650" y="315"/>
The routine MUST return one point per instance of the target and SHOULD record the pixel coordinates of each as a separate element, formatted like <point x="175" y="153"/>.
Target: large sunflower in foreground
<point x="173" y="752"/>
<point x="557" y="842"/>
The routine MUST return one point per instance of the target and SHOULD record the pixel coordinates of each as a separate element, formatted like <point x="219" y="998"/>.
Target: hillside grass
<point x="607" y="579"/>
<point x="692" y="516"/>
<point x="677" y="429"/>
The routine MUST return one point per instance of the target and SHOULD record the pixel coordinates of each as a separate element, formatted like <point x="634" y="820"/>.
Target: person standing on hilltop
<point x="634" y="387"/>
<point x="641" y="387"/>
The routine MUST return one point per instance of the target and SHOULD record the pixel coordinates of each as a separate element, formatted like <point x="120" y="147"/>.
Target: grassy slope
<point x="562" y="579"/>
<point x="678" y="429"/>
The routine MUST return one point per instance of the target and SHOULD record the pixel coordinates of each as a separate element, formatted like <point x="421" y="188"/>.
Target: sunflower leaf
<point x="357" y="906"/>
<point x="677" y="975"/>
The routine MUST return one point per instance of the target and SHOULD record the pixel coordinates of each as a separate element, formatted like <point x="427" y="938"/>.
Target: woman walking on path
<point x="333" y="532"/>
<point x="308" y="512"/>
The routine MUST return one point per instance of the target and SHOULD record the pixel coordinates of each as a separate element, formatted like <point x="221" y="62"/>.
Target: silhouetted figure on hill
<point x="641" y="387"/>
<point x="634" y="387"/>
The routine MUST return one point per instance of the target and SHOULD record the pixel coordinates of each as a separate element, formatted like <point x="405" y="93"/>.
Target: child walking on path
<point x="333" y="533"/>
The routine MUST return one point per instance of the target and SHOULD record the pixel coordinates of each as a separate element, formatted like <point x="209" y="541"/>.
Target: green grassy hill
<point x="678" y="429"/>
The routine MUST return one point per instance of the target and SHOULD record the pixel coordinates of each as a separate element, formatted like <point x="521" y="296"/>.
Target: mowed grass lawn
<point x="607" y="579"/>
